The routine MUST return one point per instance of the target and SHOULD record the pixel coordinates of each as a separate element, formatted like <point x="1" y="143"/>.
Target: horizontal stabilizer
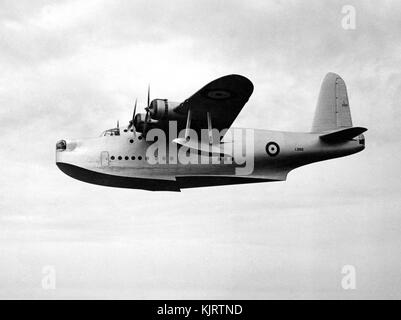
<point x="342" y="134"/>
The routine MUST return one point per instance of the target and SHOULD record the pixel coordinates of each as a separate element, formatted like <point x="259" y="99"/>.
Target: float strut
<point x="188" y="125"/>
<point x="209" y="127"/>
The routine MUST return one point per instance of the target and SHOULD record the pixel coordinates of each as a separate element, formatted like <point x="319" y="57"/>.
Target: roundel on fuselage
<point x="272" y="149"/>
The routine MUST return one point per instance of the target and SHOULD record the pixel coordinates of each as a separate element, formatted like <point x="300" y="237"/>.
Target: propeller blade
<point x="131" y="122"/>
<point x="133" y="118"/>
<point x="147" y="112"/>
<point x="148" y="96"/>
<point x="133" y="115"/>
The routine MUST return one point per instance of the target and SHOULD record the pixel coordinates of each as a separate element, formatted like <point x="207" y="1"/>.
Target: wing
<point x="223" y="98"/>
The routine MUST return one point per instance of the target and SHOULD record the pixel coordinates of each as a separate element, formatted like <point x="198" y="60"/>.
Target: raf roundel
<point x="218" y="94"/>
<point x="272" y="149"/>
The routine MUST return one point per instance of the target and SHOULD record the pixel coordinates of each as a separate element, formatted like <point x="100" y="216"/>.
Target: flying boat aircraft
<point x="173" y="146"/>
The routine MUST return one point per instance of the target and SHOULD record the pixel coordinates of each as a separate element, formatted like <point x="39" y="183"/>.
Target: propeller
<point x="131" y="123"/>
<point x="147" y="112"/>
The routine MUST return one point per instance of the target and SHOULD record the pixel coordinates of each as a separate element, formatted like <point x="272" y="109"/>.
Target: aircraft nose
<point x="65" y="149"/>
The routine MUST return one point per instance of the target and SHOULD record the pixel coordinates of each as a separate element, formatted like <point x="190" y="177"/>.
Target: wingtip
<point x="238" y="76"/>
<point x="241" y="78"/>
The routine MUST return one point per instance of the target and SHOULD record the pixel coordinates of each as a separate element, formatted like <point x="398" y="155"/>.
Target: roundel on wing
<point x="272" y="149"/>
<point x="218" y="94"/>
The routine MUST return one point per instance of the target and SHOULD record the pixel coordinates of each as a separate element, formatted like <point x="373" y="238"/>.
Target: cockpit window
<point x="61" y="145"/>
<point x="111" y="132"/>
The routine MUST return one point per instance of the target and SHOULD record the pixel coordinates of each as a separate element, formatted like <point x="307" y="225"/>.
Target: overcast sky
<point x="70" y="69"/>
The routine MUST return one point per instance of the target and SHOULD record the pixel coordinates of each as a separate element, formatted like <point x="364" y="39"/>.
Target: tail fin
<point x="332" y="110"/>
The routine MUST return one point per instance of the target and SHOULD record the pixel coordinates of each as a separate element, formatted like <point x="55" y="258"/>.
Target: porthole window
<point x="131" y="140"/>
<point x="125" y="130"/>
<point x="140" y="137"/>
<point x="139" y="157"/>
<point x="112" y="157"/>
<point x="133" y="158"/>
<point x="120" y="157"/>
<point x="126" y="158"/>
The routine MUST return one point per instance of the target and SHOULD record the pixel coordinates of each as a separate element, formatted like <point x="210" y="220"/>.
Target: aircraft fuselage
<point x="263" y="155"/>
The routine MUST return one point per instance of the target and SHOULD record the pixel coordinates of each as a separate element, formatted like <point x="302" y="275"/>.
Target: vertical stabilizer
<point x="332" y="110"/>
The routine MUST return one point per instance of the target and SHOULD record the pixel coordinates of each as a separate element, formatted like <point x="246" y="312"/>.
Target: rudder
<point x="332" y="110"/>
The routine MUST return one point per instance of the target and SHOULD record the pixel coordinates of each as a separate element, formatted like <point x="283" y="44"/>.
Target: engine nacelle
<point x="162" y="109"/>
<point x="139" y="122"/>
